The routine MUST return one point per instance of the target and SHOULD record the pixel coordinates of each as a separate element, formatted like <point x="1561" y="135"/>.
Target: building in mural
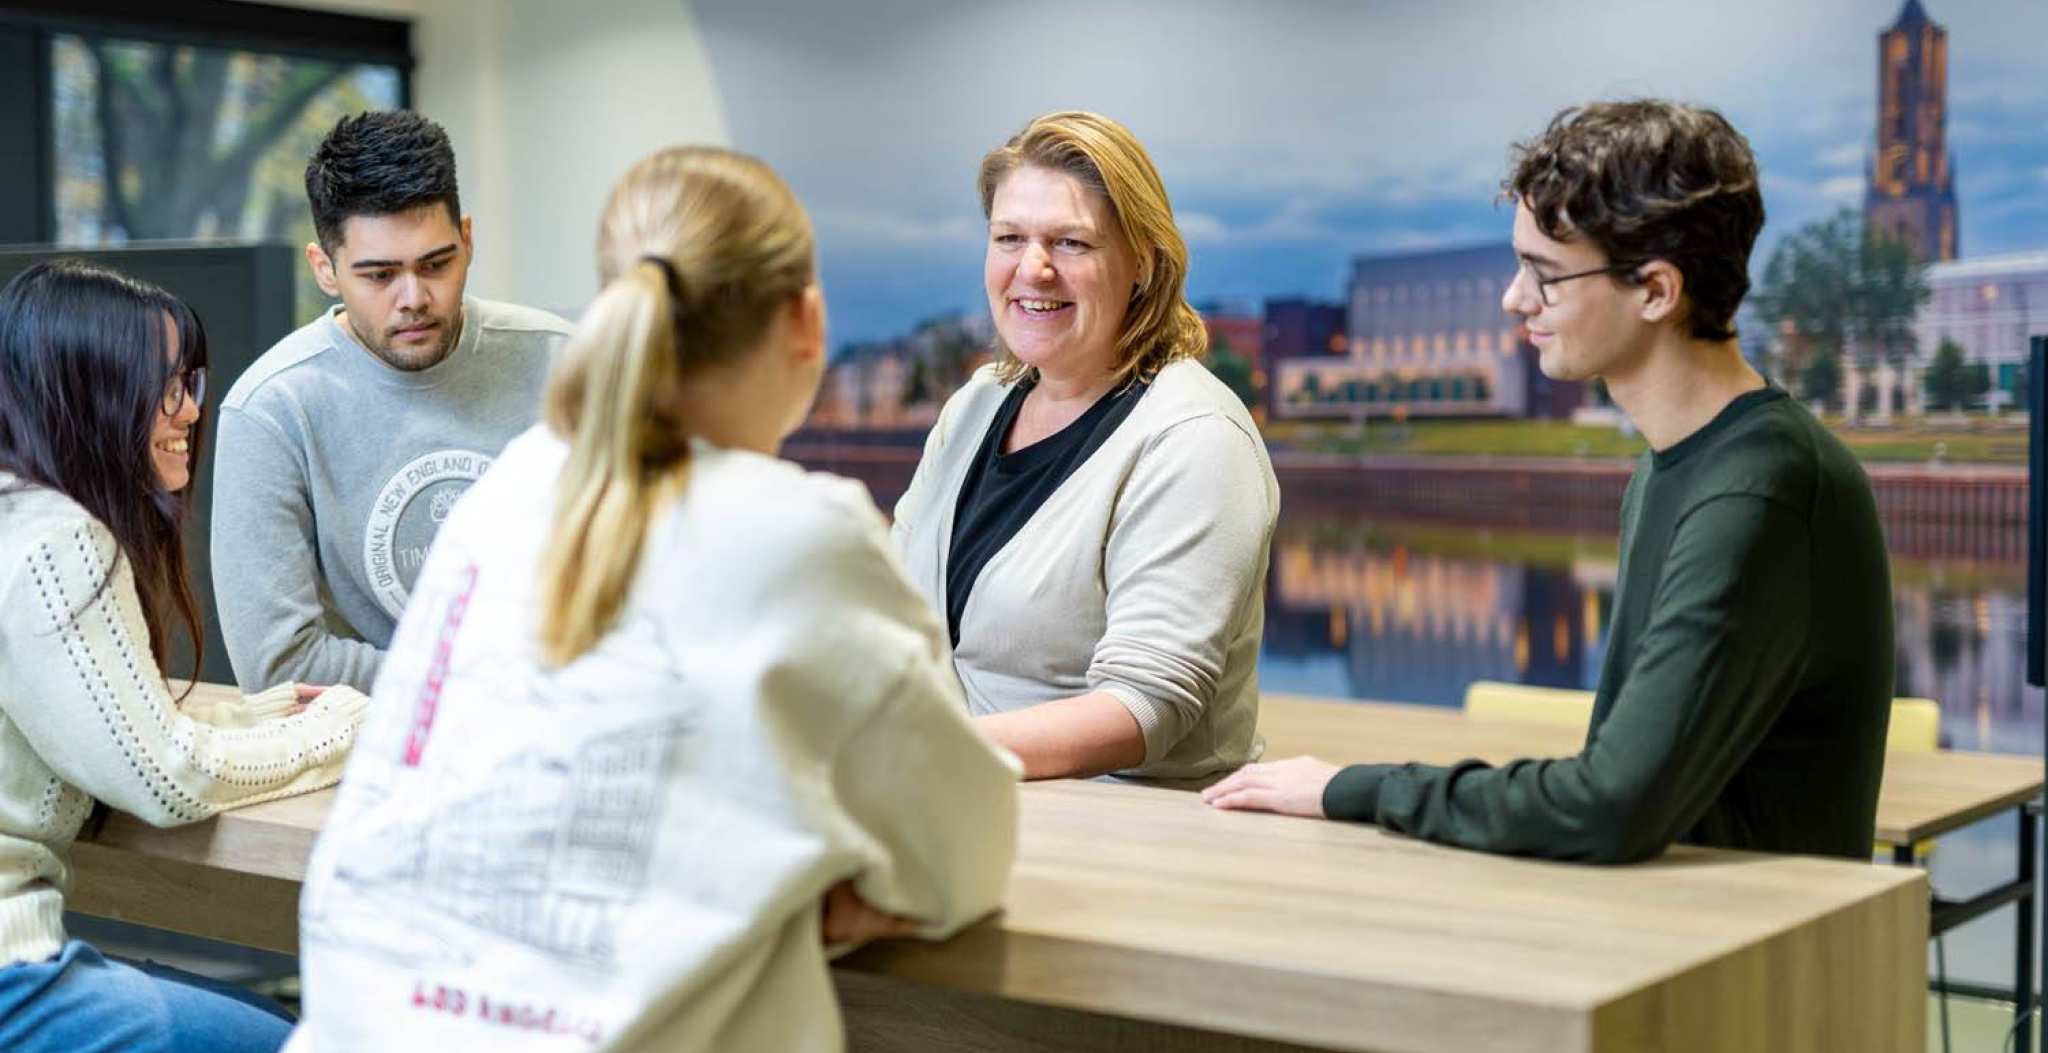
<point x="1911" y="193"/>
<point x="1237" y="327"/>
<point x="1297" y="327"/>
<point x="1426" y="337"/>
<point x="1990" y="307"/>
<point x="891" y="385"/>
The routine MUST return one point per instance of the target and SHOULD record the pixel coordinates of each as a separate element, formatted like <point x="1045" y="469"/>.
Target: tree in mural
<point x="1821" y="379"/>
<point x="1234" y="370"/>
<point x="943" y="353"/>
<point x="180" y="139"/>
<point x="1951" y="381"/>
<point x="1838" y="285"/>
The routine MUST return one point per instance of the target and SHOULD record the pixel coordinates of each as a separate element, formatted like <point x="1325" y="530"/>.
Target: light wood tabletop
<point x="1136" y="915"/>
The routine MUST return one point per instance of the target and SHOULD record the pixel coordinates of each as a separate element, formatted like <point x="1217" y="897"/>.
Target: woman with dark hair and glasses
<point x="101" y="383"/>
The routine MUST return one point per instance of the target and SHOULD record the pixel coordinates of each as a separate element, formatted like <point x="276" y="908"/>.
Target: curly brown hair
<point x="1649" y="179"/>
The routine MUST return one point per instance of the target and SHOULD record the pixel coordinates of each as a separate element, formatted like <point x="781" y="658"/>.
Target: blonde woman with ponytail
<point x="663" y="725"/>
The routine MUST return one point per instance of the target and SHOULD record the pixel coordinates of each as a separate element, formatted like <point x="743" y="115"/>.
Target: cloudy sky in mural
<point x="1297" y="134"/>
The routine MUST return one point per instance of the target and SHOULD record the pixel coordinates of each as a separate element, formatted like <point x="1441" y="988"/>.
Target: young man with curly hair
<point x="1747" y="685"/>
<point x="343" y="447"/>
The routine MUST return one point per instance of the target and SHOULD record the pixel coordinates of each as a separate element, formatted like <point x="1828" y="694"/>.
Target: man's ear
<point x="323" y="269"/>
<point x="468" y="245"/>
<point x="1663" y="288"/>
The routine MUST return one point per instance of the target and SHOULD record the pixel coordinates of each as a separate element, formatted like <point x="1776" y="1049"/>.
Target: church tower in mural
<point x="1912" y="175"/>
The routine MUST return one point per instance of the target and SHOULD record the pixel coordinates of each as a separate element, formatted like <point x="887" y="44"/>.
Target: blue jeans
<point x="79" y="1002"/>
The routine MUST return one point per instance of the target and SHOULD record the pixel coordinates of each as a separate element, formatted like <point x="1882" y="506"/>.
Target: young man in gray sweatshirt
<point x="343" y="447"/>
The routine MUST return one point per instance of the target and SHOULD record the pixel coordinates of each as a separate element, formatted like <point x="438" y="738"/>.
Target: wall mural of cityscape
<point x="1447" y="514"/>
<point x="1336" y="167"/>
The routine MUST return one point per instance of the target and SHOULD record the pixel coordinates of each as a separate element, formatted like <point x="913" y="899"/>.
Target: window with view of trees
<point x="157" y="141"/>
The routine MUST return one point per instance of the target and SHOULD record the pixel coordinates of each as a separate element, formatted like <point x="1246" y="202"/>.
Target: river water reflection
<point x="1370" y="609"/>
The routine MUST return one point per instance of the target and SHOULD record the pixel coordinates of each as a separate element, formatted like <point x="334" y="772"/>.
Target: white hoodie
<point x="628" y="852"/>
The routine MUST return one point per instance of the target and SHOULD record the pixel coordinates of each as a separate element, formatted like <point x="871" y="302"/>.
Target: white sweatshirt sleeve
<point x="925" y="805"/>
<point x="83" y="689"/>
<point x="934" y="803"/>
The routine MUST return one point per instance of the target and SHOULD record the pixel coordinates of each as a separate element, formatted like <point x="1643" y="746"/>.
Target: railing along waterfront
<point x="1975" y="512"/>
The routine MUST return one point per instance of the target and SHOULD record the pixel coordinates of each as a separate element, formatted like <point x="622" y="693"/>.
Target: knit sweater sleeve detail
<point x="1184" y="552"/>
<point x="87" y="695"/>
<point x="244" y="711"/>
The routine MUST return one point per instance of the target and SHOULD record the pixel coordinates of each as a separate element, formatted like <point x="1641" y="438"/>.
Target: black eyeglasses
<point x="1543" y="284"/>
<point x="189" y="384"/>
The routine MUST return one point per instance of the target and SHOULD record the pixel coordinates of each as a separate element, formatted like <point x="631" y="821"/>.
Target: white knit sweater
<point x="85" y="714"/>
<point x="1143" y="575"/>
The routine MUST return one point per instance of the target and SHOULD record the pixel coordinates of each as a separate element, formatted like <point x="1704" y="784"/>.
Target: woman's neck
<point x="1083" y="386"/>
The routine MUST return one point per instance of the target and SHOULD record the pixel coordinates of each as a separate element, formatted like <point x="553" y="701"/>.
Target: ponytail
<point x="697" y="248"/>
<point x="626" y="456"/>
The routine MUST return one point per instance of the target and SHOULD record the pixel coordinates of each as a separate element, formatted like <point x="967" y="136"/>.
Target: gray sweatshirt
<point x="333" y="473"/>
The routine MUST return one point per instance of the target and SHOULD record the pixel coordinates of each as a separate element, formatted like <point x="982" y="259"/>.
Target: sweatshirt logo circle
<point x="407" y="514"/>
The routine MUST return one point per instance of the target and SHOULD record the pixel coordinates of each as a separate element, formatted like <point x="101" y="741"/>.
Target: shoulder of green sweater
<point x="1777" y="452"/>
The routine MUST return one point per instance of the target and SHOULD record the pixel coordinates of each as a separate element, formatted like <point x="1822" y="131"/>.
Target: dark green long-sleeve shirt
<point x="1748" y="679"/>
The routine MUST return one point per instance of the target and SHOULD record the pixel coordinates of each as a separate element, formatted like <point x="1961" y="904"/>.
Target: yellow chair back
<point x="1915" y="726"/>
<point x="1493" y="700"/>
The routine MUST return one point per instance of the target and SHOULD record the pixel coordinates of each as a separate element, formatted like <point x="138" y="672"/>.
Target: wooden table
<point x="1924" y="794"/>
<point x="1137" y="918"/>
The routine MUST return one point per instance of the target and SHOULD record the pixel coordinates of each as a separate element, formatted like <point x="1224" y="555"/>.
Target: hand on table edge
<point x="1289" y="787"/>
<point x="846" y="921"/>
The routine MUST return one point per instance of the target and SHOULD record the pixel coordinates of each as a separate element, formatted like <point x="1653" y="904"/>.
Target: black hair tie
<point x="670" y="275"/>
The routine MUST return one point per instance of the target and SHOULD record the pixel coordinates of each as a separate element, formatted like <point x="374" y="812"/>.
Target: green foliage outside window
<point x="171" y="142"/>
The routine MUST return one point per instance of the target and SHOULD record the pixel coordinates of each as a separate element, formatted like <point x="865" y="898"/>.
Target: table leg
<point x="2023" y="935"/>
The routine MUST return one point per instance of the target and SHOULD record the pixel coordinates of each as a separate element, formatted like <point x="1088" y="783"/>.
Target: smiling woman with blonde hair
<point x="663" y="723"/>
<point x="1093" y="511"/>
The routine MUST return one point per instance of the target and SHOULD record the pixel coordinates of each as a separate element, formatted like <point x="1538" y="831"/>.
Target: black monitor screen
<point x="243" y="295"/>
<point x="2037" y="513"/>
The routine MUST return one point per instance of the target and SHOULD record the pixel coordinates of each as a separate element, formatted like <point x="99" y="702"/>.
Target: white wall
<point x="547" y="103"/>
